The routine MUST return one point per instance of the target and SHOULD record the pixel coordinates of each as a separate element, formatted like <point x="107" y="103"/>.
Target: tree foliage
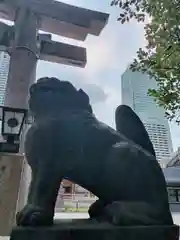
<point x="161" y="56"/>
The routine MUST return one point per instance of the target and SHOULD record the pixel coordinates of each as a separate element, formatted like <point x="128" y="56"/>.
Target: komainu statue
<point x="119" y="167"/>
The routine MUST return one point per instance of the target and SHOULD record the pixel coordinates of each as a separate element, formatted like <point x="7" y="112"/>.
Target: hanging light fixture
<point x="13" y="120"/>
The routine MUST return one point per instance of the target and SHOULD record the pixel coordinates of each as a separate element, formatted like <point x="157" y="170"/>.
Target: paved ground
<point x="71" y="215"/>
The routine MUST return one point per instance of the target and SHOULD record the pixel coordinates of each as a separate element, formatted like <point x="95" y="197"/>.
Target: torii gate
<point x="26" y="47"/>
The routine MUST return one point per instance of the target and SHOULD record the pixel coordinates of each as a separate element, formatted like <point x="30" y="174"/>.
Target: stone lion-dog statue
<point x="67" y="141"/>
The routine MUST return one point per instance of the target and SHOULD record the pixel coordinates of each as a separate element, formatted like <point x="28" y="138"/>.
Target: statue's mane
<point x="51" y="95"/>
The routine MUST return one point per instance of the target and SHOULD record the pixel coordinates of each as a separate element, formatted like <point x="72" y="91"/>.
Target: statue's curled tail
<point x="130" y="125"/>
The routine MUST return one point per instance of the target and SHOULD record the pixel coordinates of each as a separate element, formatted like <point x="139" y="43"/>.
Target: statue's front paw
<point x="33" y="216"/>
<point x="96" y="209"/>
<point x="113" y="213"/>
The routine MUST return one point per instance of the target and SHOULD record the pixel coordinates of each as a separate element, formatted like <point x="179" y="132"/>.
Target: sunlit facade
<point x="135" y="87"/>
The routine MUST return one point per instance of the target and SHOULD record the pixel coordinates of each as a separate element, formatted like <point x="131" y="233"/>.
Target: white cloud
<point x="108" y="55"/>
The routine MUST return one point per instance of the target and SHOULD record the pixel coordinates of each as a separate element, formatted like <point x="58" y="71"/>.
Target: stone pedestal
<point x="87" y="229"/>
<point x="10" y="177"/>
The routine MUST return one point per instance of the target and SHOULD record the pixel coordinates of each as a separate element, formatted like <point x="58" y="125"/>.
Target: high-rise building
<point x="4" y="69"/>
<point x="134" y="89"/>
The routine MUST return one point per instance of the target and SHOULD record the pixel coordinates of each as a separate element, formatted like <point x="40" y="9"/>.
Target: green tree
<point x="161" y="56"/>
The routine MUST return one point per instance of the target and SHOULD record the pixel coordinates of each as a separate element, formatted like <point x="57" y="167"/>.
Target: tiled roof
<point x="172" y="176"/>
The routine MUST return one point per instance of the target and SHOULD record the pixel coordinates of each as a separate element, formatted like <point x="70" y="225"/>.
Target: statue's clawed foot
<point x="96" y="209"/>
<point x="33" y="216"/>
<point x="113" y="213"/>
<point x="105" y="212"/>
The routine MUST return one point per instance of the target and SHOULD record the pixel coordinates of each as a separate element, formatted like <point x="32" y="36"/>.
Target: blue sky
<point x="108" y="56"/>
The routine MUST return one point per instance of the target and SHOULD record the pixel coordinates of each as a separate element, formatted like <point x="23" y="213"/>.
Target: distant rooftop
<point x="172" y="176"/>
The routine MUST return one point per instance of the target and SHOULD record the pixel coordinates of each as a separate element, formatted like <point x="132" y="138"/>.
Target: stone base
<point x="90" y="230"/>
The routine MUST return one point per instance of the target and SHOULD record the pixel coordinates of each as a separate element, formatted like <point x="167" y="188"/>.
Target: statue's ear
<point x="31" y="89"/>
<point x="84" y="97"/>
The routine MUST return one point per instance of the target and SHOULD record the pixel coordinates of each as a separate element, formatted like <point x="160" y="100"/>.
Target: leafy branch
<point x="160" y="58"/>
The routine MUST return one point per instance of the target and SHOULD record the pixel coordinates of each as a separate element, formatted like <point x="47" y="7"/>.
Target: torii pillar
<point x="26" y="47"/>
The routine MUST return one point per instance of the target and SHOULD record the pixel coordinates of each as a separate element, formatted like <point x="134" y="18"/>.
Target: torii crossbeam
<point x="26" y="46"/>
<point x="50" y="16"/>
